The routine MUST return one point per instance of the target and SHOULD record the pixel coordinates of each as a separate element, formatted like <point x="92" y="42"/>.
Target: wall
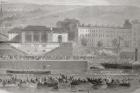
<point x="12" y="35"/>
<point x="65" y="49"/>
<point x="60" y="66"/>
<point x="35" y="48"/>
<point x="136" y="34"/>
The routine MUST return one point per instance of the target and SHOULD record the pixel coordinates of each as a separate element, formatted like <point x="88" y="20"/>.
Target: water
<point x="4" y="91"/>
<point x="33" y="90"/>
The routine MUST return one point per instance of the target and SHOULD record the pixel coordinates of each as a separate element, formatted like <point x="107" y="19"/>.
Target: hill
<point x="32" y="14"/>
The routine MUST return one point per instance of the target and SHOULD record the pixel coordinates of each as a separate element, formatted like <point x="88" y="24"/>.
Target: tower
<point x="1" y="16"/>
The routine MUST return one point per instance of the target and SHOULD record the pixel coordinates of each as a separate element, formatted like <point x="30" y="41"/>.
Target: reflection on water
<point x="29" y="90"/>
<point x="17" y="90"/>
<point x="33" y="90"/>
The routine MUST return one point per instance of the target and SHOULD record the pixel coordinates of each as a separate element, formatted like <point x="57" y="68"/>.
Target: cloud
<point x="82" y="2"/>
<point x="71" y="2"/>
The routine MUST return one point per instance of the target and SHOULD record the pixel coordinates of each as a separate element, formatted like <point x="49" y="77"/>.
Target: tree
<point x="70" y="26"/>
<point x="127" y="24"/>
<point x="115" y="43"/>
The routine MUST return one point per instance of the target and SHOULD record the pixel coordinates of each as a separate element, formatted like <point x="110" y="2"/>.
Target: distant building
<point x="136" y="34"/>
<point x="37" y="34"/>
<point x="37" y="40"/>
<point x="106" y="35"/>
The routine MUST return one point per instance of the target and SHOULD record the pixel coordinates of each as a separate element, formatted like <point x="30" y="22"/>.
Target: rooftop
<point x="15" y="30"/>
<point x="102" y="26"/>
<point x="36" y="28"/>
<point x="58" y="30"/>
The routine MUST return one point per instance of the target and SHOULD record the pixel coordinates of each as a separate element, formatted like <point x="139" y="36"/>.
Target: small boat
<point x="32" y="85"/>
<point x="27" y="85"/>
<point x="7" y="85"/>
<point x="50" y="84"/>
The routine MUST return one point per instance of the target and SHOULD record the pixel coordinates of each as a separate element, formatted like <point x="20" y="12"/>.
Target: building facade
<point x="37" y="34"/>
<point x="37" y="40"/>
<point x="136" y="34"/>
<point x="107" y="36"/>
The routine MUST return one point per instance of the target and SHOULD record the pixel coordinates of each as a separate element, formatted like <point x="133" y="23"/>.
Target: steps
<point x="36" y="49"/>
<point x="65" y="49"/>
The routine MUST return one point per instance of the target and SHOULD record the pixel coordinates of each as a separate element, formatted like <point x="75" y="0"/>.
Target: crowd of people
<point x="16" y="57"/>
<point x="63" y="80"/>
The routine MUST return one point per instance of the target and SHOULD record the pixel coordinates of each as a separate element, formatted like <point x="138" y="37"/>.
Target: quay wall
<point x="58" y="66"/>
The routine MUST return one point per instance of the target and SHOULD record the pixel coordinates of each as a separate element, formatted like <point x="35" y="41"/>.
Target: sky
<point x="80" y="2"/>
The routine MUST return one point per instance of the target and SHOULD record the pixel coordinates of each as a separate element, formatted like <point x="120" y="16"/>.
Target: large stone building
<point x="37" y="40"/>
<point x="38" y="34"/>
<point x="126" y="36"/>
